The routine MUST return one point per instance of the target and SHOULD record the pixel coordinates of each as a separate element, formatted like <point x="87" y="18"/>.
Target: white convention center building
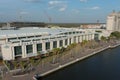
<point x="27" y="42"/>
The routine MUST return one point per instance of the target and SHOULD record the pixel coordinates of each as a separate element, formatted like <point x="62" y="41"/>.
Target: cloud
<point x="95" y="8"/>
<point x="63" y="8"/>
<point x="59" y="5"/>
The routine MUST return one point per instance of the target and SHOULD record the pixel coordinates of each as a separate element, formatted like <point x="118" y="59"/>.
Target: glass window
<point x="17" y="50"/>
<point x="73" y="32"/>
<point x="21" y="37"/>
<point x="30" y="36"/>
<point x="47" y="45"/>
<point x="61" y="43"/>
<point x="75" y="39"/>
<point x="70" y="41"/>
<point x="66" y="41"/>
<point x="54" y="44"/>
<point x="39" y="47"/>
<point x="78" y="38"/>
<point x="82" y="37"/>
<point x="70" y="32"/>
<point x="11" y="39"/>
<point x="29" y="49"/>
<point x="96" y="37"/>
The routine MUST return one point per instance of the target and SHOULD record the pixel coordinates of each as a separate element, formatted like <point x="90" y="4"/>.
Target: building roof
<point x="33" y="31"/>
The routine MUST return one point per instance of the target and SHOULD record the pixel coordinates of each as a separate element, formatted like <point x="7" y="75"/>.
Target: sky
<point x="57" y="11"/>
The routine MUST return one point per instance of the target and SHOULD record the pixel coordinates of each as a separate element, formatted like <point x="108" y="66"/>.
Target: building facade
<point x="29" y="42"/>
<point x="113" y="21"/>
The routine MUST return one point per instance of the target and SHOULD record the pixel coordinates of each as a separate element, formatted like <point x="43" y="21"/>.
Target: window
<point x="54" y="44"/>
<point x="21" y="37"/>
<point x="66" y="41"/>
<point x="96" y="37"/>
<point x="38" y="35"/>
<point x="29" y="49"/>
<point x="70" y="32"/>
<point x="30" y="36"/>
<point x="73" y="32"/>
<point x="61" y="43"/>
<point x="82" y="37"/>
<point x="39" y="47"/>
<point x="17" y="50"/>
<point x="70" y="41"/>
<point x="11" y="39"/>
<point x="47" y="45"/>
<point x="75" y="39"/>
<point x="78" y="38"/>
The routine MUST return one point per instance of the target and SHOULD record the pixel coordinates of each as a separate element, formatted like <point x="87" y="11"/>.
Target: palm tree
<point x="32" y="62"/>
<point x="15" y="64"/>
<point x="22" y="64"/>
<point x="55" y="51"/>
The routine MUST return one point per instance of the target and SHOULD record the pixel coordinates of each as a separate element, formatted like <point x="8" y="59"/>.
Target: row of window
<point x="72" y="32"/>
<point x="15" y="38"/>
<point x="29" y="48"/>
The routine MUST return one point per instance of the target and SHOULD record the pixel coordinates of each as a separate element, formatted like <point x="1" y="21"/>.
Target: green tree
<point x="22" y="65"/>
<point x="115" y="34"/>
<point x="55" y="51"/>
<point x="15" y="64"/>
<point x="103" y="38"/>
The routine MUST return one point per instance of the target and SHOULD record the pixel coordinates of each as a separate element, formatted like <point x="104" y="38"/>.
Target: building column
<point x="58" y="45"/>
<point x="64" y="43"/>
<point x="77" y="39"/>
<point x="89" y="37"/>
<point x="24" y="51"/>
<point x="72" y="40"/>
<point x="93" y="36"/>
<point x="13" y="53"/>
<point x="81" y="38"/>
<point x="34" y="48"/>
<point x="43" y="46"/>
<point x="51" y="45"/>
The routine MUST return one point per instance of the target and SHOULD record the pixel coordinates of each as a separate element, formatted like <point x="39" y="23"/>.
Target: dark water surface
<point x="103" y="66"/>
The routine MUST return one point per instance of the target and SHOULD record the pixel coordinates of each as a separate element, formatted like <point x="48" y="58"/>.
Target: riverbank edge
<point x="76" y="60"/>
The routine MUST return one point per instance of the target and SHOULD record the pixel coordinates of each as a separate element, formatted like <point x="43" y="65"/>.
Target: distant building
<point x="113" y="21"/>
<point x="93" y="26"/>
<point x="23" y="24"/>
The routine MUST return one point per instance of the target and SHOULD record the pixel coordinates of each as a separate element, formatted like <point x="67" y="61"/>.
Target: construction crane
<point x="48" y="16"/>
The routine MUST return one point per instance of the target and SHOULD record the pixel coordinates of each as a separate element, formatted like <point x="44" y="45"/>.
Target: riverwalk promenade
<point x="48" y="67"/>
<point x="78" y="59"/>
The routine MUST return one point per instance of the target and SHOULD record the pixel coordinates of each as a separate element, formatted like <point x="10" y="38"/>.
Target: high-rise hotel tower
<point x="113" y="21"/>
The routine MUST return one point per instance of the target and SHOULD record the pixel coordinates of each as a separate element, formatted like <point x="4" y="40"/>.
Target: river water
<point x="102" y="66"/>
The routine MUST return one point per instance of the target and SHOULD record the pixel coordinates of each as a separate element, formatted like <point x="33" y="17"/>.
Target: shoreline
<point x="76" y="60"/>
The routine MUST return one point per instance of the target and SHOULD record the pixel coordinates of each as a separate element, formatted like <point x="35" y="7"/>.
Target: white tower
<point x="113" y="21"/>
